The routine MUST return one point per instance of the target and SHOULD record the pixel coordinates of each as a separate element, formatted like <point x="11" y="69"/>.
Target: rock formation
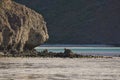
<point x="20" y="27"/>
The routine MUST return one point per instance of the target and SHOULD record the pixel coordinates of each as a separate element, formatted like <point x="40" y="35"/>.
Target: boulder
<point x="20" y="27"/>
<point x="68" y="53"/>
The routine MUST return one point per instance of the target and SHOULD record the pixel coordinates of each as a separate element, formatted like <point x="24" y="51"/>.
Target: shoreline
<point x="45" y="54"/>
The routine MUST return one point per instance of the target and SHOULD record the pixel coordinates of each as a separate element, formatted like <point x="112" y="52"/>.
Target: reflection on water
<point x="59" y="69"/>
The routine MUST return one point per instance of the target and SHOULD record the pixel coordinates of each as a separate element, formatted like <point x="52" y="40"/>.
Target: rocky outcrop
<point x="20" y="27"/>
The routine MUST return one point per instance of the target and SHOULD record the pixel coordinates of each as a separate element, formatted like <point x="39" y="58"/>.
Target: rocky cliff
<point x="20" y="27"/>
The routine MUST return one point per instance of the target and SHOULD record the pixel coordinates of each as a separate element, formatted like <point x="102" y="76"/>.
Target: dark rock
<point x="68" y="53"/>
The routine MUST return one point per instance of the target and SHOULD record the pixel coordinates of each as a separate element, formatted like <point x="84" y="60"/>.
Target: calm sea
<point x="101" y="50"/>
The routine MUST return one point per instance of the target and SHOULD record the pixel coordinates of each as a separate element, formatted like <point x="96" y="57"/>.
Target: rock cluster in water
<point x="20" y="27"/>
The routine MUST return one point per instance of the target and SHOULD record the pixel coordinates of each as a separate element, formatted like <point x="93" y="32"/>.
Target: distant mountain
<point x="80" y="21"/>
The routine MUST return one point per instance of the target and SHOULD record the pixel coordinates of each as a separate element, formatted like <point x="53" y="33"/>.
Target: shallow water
<point x="99" y="51"/>
<point x="59" y="69"/>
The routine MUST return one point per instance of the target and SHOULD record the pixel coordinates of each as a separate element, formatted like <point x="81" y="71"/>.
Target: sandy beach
<point x="59" y="69"/>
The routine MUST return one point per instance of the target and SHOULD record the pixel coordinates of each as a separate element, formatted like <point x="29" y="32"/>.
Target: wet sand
<point x="59" y="69"/>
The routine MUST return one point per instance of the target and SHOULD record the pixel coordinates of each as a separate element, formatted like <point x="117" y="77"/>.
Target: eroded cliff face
<point x="20" y="27"/>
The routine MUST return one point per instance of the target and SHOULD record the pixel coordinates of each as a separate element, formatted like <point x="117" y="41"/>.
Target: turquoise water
<point x="104" y="51"/>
